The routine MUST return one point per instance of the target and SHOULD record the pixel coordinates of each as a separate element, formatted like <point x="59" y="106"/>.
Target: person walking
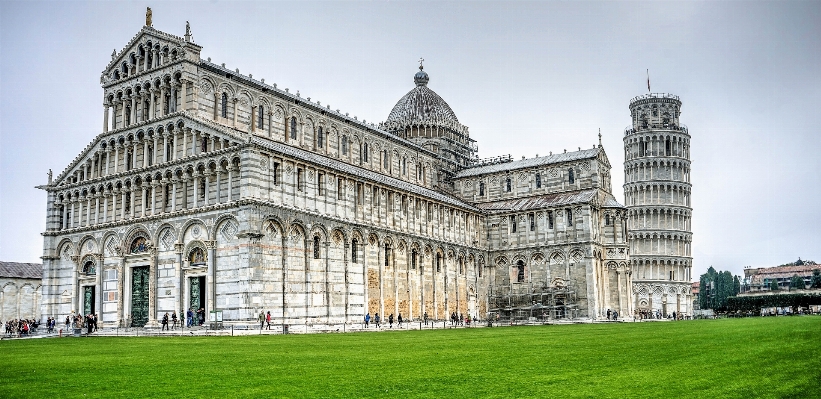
<point x="164" y="322"/>
<point x="268" y="320"/>
<point x="367" y="319"/>
<point x="376" y="319"/>
<point x="95" y="322"/>
<point x="390" y="321"/>
<point x="399" y="320"/>
<point x="261" y="320"/>
<point x="426" y="318"/>
<point x="174" y="320"/>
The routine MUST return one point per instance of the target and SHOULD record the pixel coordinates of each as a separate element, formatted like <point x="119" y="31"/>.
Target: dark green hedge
<point x="755" y="303"/>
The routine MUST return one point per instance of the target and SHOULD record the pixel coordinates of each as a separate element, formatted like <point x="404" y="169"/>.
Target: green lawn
<point x="740" y="358"/>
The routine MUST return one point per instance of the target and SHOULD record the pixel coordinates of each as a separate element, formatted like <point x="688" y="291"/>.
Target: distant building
<point x="760" y="279"/>
<point x="19" y="290"/>
<point x="694" y="289"/>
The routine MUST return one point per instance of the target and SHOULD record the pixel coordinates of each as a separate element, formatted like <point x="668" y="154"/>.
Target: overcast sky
<point x="527" y="78"/>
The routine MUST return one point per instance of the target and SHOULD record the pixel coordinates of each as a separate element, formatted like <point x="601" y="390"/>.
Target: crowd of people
<point x="20" y="327"/>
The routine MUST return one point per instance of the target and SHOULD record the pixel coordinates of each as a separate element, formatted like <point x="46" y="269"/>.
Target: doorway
<point x="88" y="300"/>
<point x="139" y="296"/>
<point x="196" y="293"/>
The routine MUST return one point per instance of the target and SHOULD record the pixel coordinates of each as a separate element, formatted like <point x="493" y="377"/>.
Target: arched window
<point x="261" y="118"/>
<point x="520" y="271"/>
<point x="538" y="180"/>
<point x="507" y="185"/>
<point x="197" y="256"/>
<point x="481" y="188"/>
<point x="385" y="159"/>
<point x="316" y="247"/>
<point x="570" y="176"/>
<point x="387" y="255"/>
<point x="438" y="263"/>
<point x="404" y="166"/>
<point x="127" y="115"/>
<point x="89" y="269"/>
<point x="461" y="266"/>
<point x="413" y="259"/>
<point x="344" y="145"/>
<point x="320" y="138"/>
<point x="293" y="128"/>
<point x="607" y="220"/>
<point x="365" y="152"/>
<point x="354" y="244"/>
<point x="224" y="105"/>
<point x="569" y="213"/>
<point x="138" y="245"/>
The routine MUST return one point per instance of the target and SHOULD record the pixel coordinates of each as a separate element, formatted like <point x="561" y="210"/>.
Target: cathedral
<point x="210" y="189"/>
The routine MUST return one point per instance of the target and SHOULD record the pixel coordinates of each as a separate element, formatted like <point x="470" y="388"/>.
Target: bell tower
<point x="657" y="194"/>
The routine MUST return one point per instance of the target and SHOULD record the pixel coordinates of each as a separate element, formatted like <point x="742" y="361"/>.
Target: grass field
<point x="737" y="358"/>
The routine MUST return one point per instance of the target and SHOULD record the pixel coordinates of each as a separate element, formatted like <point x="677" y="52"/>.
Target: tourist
<point x="367" y="319"/>
<point x="268" y="319"/>
<point x="261" y="320"/>
<point x="68" y="322"/>
<point x="390" y="320"/>
<point x="201" y="314"/>
<point x="461" y="318"/>
<point x="189" y="318"/>
<point x="399" y="320"/>
<point x="174" y="320"/>
<point x="608" y="314"/>
<point x="376" y="319"/>
<point x="95" y="322"/>
<point x="164" y="322"/>
<point x="426" y="318"/>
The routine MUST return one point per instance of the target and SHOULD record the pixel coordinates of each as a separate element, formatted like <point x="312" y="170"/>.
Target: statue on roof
<point x="148" y="16"/>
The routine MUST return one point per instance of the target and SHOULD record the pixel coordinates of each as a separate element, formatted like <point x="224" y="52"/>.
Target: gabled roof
<point x="149" y="31"/>
<point x="361" y="172"/>
<point x="530" y="163"/>
<point x="21" y="270"/>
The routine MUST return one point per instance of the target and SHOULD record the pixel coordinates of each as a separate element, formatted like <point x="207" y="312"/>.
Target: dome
<point x="422" y="107"/>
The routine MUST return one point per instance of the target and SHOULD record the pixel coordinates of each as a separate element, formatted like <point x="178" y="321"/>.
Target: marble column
<point x="105" y="118"/>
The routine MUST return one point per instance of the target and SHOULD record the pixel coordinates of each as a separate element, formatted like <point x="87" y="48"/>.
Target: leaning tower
<point x="657" y="193"/>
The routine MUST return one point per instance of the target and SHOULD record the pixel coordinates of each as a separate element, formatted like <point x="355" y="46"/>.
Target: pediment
<point x="151" y="44"/>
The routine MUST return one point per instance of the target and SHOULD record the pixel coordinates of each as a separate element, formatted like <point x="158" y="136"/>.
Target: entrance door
<point x="196" y="292"/>
<point x="88" y="300"/>
<point x="139" y="296"/>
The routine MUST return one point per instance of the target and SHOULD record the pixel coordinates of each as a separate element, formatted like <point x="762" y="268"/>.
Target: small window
<point x="404" y="166"/>
<point x="89" y="269"/>
<point x="320" y="178"/>
<point x="532" y="218"/>
<point x="569" y="213"/>
<point x="275" y="174"/>
<point x="387" y="255"/>
<point x="550" y="219"/>
<point x="385" y="159"/>
<point x="293" y="128"/>
<point x="340" y="189"/>
<point x="513" y="224"/>
<point x="316" y="247"/>
<point x="320" y="138"/>
<point x="204" y="144"/>
<point x="299" y="179"/>
<point x="224" y="106"/>
<point x="607" y="220"/>
<point x="507" y="184"/>
<point x="538" y="180"/>
<point x="570" y="176"/>
<point x="365" y="152"/>
<point x="202" y="188"/>
<point x="481" y="188"/>
<point x="413" y="259"/>
<point x="344" y="145"/>
<point x="261" y="118"/>
<point x="354" y="244"/>
<point x="438" y="263"/>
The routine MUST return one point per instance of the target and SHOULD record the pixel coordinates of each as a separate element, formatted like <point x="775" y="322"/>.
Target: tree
<point x="715" y="287"/>
<point x="736" y="285"/>
<point x="774" y="285"/>
<point x="797" y="282"/>
<point x="816" y="279"/>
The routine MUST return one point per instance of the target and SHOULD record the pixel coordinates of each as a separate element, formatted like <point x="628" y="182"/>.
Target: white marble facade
<point x="206" y="183"/>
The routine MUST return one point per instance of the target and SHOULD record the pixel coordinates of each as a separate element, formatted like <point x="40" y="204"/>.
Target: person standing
<point x="189" y="318"/>
<point x="261" y="320"/>
<point x="68" y="322"/>
<point x="367" y="319"/>
<point x="376" y="319"/>
<point x="164" y="322"/>
<point x="390" y="321"/>
<point x="399" y="320"/>
<point x="95" y="322"/>
<point x="268" y="320"/>
<point x="174" y="320"/>
<point x="426" y="318"/>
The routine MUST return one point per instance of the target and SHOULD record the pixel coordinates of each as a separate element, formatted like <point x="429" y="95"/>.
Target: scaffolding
<point x="534" y="302"/>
